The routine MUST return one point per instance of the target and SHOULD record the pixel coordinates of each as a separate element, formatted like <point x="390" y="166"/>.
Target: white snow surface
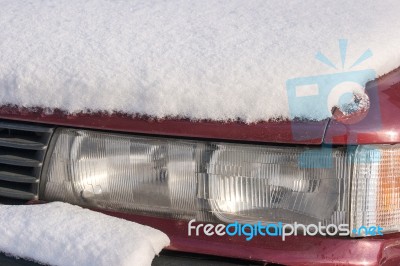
<point x="218" y="60"/>
<point x="62" y="234"/>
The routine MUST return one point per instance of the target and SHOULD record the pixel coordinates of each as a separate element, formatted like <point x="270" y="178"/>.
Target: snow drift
<point x="216" y="60"/>
<point x="62" y="234"/>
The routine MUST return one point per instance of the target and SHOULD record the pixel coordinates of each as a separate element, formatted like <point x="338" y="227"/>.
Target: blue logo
<point x="343" y="92"/>
<point x="279" y="229"/>
<point x="367" y="231"/>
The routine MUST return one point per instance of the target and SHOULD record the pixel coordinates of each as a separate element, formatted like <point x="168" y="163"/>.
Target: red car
<point x="164" y="173"/>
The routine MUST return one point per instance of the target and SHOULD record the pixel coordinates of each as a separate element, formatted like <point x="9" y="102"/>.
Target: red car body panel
<point x="299" y="250"/>
<point x="276" y="132"/>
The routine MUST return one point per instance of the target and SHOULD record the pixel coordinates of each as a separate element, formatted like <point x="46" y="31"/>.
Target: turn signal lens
<point x="376" y="187"/>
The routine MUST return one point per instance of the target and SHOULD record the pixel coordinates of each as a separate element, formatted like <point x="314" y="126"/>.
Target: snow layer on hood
<point x="217" y="60"/>
<point x="62" y="234"/>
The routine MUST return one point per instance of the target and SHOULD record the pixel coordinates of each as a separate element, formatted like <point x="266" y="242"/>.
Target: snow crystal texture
<point x="63" y="234"/>
<point x="218" y="60"/>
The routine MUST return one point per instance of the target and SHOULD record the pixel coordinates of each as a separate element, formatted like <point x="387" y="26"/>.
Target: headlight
<point x="267" y="183"/>
<point x="132" y="174"/>
<point x="213" y="181"/>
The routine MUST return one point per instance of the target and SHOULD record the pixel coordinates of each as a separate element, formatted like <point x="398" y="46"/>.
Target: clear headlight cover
<point x="199" y="180"/>
<point x="249" y="183"/>
<point x="132" y="174"/>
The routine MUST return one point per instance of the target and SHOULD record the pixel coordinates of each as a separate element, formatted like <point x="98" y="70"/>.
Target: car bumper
<point x="166" y="258"/>
<point x="360" y="252"/>
<point x="295" y="250"/>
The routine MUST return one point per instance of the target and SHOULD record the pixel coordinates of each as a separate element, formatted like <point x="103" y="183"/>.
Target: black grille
<point x="22" y="151"/>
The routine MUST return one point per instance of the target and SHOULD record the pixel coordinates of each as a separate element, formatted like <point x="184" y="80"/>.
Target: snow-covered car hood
<point x="193" y="59"/>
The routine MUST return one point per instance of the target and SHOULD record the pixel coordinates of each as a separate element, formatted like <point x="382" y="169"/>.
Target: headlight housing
<point x="212" y="181"/>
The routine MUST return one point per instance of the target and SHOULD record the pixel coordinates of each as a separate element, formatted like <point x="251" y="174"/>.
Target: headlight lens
<point x="212" y="181"/>
<point x="126" y="173"/>
<point x="250" y="183"/>
<point x="194" y="179"/>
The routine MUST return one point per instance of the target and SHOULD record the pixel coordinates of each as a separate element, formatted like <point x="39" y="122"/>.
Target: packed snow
<point x="219" y="60"/>
<point x="63" y="234"/>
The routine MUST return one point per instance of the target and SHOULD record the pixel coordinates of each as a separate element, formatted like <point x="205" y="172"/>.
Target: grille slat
<point x="26" y="127"/>
<point x="17" y="194"/>
<point x="19" y="161"/>
<point x="22" y="150"/>
<point x="22" y="143"/>
<point x="15" y="177"/>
